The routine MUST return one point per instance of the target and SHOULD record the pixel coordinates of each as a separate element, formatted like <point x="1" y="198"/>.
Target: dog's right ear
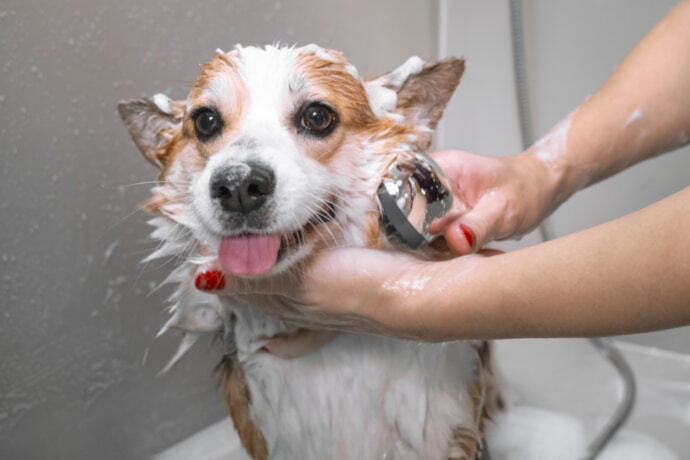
<point x="418" y="91"/>
<point x="152" y="123"/>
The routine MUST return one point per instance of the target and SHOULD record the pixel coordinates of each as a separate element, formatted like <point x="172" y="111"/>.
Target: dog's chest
<point x="362" y="397"/>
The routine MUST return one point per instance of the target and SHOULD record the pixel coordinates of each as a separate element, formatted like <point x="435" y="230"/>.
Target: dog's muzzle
<point x="242" y="188"/>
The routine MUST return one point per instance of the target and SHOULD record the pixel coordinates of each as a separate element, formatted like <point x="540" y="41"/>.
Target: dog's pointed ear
<point x="152" y="123"/>
<point x="423" y="90"/>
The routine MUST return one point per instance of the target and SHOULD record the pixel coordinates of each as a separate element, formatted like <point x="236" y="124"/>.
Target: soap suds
<point x="636" y="115"/>
<point x="406" y="287"/>
<point x="412" y="66"/>
<point x="352" y="70"/>
<point x="163" y="103"/>
<point x="319" y="52"/>
<point x="555" y="143"/>
<point x="528" y="433"/>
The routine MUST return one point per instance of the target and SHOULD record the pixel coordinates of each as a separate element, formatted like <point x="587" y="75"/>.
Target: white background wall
<point x="571" y="48"/>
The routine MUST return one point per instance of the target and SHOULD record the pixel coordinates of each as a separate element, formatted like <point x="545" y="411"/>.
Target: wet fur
<point x="165" y="135"/>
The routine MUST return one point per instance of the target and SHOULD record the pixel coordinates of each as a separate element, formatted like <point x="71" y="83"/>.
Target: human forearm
<point x="642" y="110"/>
<point x="625" y="276"/>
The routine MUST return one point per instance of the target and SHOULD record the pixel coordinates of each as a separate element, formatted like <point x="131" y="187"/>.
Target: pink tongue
<point x="248" y="255"/>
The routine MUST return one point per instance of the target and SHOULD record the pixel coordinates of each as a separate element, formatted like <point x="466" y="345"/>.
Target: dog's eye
<point x="207" y="123"/>
<point x="318" y="119"/>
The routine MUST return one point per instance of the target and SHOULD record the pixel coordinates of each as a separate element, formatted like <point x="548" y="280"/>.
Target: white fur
<point x="359" y="396"/>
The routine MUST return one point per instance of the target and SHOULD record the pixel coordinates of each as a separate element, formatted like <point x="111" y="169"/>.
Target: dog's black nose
<point x="242" y="192"/>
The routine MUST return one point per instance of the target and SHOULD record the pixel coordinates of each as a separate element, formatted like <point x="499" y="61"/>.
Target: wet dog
<point x="275" y="153"/>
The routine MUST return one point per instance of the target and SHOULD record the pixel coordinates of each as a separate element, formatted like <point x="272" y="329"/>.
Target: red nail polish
<point x="468" y="235"/>
<point x="210" y="280"/>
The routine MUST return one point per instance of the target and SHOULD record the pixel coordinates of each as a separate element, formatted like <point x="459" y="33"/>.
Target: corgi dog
<point x="278" y="152"/>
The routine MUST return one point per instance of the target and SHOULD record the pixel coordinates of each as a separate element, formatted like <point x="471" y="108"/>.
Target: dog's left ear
<point x="423" y="90"/>
<point x="152" y="123"/>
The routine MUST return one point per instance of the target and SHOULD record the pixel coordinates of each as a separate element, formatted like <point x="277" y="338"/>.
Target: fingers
<point x="479" y="226"/>
<point x="209" y="277"/>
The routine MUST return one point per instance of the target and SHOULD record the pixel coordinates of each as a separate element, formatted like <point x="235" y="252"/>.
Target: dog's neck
<point x="259" y="332"/>
<point x="246" y="328"/>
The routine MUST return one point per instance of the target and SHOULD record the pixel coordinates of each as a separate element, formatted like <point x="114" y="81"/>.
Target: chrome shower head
<point x="412" y="194"/>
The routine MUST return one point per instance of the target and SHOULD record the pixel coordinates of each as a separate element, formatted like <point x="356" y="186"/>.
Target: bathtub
<point x="560" y="391"/>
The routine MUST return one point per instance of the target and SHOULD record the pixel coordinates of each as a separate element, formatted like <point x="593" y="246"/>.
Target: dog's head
<point x="277" y="151"/>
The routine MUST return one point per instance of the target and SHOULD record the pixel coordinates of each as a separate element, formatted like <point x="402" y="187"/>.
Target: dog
<point x="277" y="152"/>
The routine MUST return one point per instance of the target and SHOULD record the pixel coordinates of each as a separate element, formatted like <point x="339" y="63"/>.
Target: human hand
<point x="358" y="289"/>
<point x="334" y="289"/>
<point x="494" y="197"/>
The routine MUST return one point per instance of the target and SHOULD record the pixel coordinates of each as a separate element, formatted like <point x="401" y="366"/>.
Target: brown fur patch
<point x="372" y="232"/>
<point x="239" y="401"/>
<point x="464" y="444"/>
<point x="174" y="191"/>
<point x="466" y="441"/>
<point x="230" y="105"/>
<point x="331" y="81"/>
<point x="483" y="390"/>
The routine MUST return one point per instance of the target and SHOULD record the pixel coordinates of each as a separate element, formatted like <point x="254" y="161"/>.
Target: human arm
<point x="642" y="110"/>
<point x="628" y="275"/>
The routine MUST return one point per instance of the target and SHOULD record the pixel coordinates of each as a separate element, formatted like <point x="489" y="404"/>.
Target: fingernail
<point x="468" y="235"/>
<point x="210" y="280"/>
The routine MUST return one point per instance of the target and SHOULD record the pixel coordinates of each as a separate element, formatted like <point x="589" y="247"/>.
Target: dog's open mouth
<point x="252" y="254"/>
